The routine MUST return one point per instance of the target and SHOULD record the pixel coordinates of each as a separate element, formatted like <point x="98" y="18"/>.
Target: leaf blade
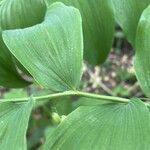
<point x="98" y="27"/>
<point x="21" y="14"/>
<point x="101" y="127"/>
<point x="127" y="13"/>
<point x="16" y="14"/>
<point x="60" y="37"/>
<point x="141" y="61"/>
<point x="13" y="122"/>
<point x="9" y="76"/>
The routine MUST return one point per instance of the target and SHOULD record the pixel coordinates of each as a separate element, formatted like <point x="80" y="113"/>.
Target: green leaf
<point x="16" y="14"/>
<point x="9" y="76"/>
<point x="109" y="126"/>
<point x="98" y="27"/>
<point x="127" y="13"/>
<point x="14" y="119"/>
<point x="62" y="105"/>
<point x="87" y="102"/>
<point x="15" y="93"/>
<point x="51" y="51"/>
<point x="142" y="56"/>
<point x="21" y="13"/>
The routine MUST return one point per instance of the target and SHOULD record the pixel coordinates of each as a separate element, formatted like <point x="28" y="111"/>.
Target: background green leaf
<point x="15" y="93"/>
<point x="82" y="101"/>
<point x="9" y="76"/>
<point x="109" y="126"/>
<point x="127" y="13"/>
<point x="98" y="27"/>
<point x="14" y="119"/>
<point x="21" y="13"/>
<point x="142" y="56"/>
<point x="16" y="14"/>
<point x="51" y="51"/>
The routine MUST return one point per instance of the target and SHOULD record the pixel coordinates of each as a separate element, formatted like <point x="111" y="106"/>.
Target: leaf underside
<point x="109" y="126"/>
<point x="51" y="51"/>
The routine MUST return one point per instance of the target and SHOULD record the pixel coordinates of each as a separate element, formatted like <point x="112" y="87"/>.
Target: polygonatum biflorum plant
<point x="45" y="40"/>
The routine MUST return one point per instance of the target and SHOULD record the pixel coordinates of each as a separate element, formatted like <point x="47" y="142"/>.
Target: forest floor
<point x="116" y="76"/>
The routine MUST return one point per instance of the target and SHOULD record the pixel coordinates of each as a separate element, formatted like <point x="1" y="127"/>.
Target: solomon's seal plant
<point x="45" y="40"/>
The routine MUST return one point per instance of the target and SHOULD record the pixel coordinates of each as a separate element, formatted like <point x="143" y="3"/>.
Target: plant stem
<point x="103" y="97"/>
<point x="70" y="93"/>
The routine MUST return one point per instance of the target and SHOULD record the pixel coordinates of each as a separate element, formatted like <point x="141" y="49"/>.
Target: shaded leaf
<point x="51" y="51"/>
<point x="109" y="126"/>
<point x="87" y="102"/>
<point x="35" y="138"/>
<point x="98" y="27"/>
<point x="21" y="13"/>
<point x="49" y="131"/>
<point x="142" y="56"/>
<point x="127" y="13"/>
<point x="14" y="119"/>
<point x="15" y="93"/>
<point x="16" y="14"/>
<point x="63" y="105"/>
<point x="9" y="76"/>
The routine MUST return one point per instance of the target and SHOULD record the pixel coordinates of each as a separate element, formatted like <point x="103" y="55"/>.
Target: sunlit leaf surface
<point x="13" y="124"/>
<point x="103" y="127"/>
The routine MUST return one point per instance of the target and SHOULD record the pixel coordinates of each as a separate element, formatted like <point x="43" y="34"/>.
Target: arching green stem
<point x="72" y="93"/>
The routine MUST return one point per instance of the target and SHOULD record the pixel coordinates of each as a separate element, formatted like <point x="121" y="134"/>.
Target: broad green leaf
<point x="51" y="51"/>
<point x="142" y="56"/>
<point x="127" y="13"/>
<point x="21" y="13"/>
<point x="98" y="27"/>
<point x="14" y="119"/>
<point x="104" y="127"/>
<point x="16" y="14"/>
